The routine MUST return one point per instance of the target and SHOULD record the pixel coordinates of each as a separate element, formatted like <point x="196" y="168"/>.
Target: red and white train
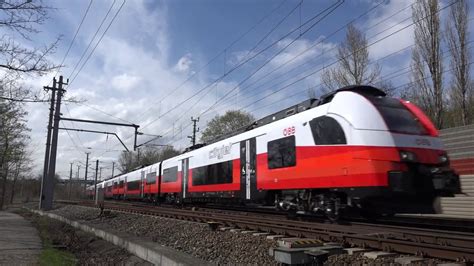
<point x="354" y="147"/>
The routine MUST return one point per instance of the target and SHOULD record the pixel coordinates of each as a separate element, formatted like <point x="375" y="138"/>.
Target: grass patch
<point x="51" y="234"/>
<point x="51" y="256"/>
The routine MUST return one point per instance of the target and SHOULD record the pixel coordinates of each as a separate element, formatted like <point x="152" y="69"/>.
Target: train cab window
<point x="170" y="174"/>
<point x="150" y="178"/>
<point x="133" y="185"/>
<point x="121" y="184"/>
<point x="397" y="117"/>
<point x="327" y="131"/>
<point x="219" y="173"/>
<point x="281" y="153"/>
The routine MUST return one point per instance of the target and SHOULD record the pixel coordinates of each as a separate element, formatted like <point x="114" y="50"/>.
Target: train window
<point x="219" y="173"/>
<point x="327" y="131"/>
<point x="397" y="117"/>
<point x="121" y="184"/>
<point x="133" y="185"/>
<point x="170" y="174"/>
<point x="115" y="185"/>
<point x="151" y="178"/>
<point x="281" y="153"/>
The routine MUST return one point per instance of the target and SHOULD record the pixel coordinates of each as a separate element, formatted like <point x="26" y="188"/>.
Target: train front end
<point x="403" y="148"/>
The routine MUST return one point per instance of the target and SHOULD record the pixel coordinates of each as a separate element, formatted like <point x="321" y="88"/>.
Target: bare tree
<point x="353" y="63"/>
<point x="13" y="139"/>
<point x="457" y="37"/>
<point x="150" y="155"/>
<point x="19" y="58"/>
<point x="427" y="67"/>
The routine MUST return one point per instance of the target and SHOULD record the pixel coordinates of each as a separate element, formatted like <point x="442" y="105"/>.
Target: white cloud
<point x="184" y="64"/>
<point x="125" y="82"/>
<point x="390" y="18"/>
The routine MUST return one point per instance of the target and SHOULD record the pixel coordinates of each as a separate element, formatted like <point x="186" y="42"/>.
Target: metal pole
<point x="95" y="183"/>
<point x="44" y="179"/>
<point x="49" y="188"/>
<point x="70" y="181"/>
<point x="85" y="175"/>
<point x="113" y="168"/>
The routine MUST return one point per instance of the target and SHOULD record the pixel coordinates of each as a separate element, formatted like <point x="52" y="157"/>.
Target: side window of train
<point x="281" y="153"/>
<point x="326" y="131"/>
<point x="170" y="174"/>
<point x="150" y="178"/>
<point x="219" y="173"/>
<point x="133" y="185"/>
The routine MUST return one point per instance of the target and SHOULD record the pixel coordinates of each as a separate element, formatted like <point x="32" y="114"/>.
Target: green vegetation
<point x="47" y="230"/>
<point x="51" y="256"/>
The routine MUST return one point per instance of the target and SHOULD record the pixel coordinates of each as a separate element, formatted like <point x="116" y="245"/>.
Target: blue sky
<point x="153" y="46"/>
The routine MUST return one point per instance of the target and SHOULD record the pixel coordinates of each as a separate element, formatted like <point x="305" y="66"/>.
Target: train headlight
<point x="407" y="156"/>
<point x="443" y="158"/>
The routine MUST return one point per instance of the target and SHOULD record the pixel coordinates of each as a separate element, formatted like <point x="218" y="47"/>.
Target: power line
<point x="100" y="40"/>
<point x="311" y="47"/>
<point x="314" y="72"/>
<point x="321" y="40"/>
<point x="105" y="113"/>
<point x="218" y="55"/>
<point x="338" y="3"/>
<point x="273" y="57"/>
<point x="93" y="38"/>
<point x="333" y="63"/>
<point x="74" y="38"/>
<point x="72" y="125"/>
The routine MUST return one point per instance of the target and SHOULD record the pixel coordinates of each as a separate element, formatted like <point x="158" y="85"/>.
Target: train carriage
<point x="354" y="147"/>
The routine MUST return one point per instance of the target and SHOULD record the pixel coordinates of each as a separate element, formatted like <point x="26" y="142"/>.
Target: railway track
<point x="428" y="242"/>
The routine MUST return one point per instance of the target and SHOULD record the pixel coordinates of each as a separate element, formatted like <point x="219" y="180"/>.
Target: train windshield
<point x="398" y="118"/>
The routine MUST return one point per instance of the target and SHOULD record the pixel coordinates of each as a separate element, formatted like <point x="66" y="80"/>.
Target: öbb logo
<point x="422" y="142"/>
<point x="289" y="131"/>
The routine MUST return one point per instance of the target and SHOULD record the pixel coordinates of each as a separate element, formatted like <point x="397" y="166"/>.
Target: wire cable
<point x="98" y="42"/>
<point x="74" y="38"/>
<point x="92" y="40"/>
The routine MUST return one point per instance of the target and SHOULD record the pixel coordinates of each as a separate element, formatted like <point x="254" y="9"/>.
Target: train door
<point x="125" y="187"/>
<point x="248" y="169"/>
<point x="142" y="185"/>
<point x="184" y="174"/>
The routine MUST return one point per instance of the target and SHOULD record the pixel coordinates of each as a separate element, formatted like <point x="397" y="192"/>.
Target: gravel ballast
<point x="196" y="239"/>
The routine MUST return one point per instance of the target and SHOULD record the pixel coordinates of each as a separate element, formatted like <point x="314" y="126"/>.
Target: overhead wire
<point x="245" y="61"/>
<point x="74" y="38"/>
<point x="195" y="73"/>
<point x="320" y="69"/>
<point x="308" y="21"/>
<point x="310" y="48"/>
<point x="272" y="57"/>
<point x="337" y="61"/>
<point x="92" y="40"/>
<point x="98" y="42"/>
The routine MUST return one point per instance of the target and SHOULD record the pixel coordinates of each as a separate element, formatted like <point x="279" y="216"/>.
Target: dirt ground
<point x="87" y="249"/>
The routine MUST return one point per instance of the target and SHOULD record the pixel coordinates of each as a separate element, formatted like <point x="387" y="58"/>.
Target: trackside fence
<point x="459" y="142"/>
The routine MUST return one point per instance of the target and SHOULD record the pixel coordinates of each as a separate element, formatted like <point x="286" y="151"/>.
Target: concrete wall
<point x="459" y="142"/>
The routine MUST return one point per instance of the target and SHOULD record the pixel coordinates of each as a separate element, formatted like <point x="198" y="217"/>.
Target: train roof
<point x="292" y="110"/>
